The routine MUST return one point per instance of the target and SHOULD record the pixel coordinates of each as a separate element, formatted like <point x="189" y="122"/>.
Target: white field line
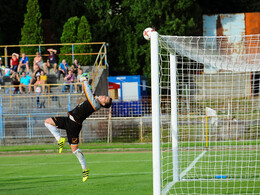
<point x="169" y="185"/>
<point x="72" y="175"/>
<point x="76" y="162"/>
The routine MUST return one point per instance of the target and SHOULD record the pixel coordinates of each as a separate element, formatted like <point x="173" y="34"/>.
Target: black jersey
<point x="86" y="108"/>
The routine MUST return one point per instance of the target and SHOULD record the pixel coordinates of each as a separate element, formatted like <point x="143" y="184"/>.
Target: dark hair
<point x="108" y="104"/>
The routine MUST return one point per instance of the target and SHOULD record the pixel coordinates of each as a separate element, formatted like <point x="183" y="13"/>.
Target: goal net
<point x="206" y="112"/>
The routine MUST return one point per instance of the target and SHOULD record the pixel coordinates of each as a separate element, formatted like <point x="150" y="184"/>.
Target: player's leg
<point x="51" y="124"/>
<point x="78" y="153"/>
<point x="73" y="138"/>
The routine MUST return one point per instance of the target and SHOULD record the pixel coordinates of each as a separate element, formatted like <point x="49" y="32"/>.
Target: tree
<point x="11" y="21"/>
<point x="32" y="32"/>
<point x="62" y="10"/>
<point x="121" y="24"/>
<point x="83" y="36"/>
<point x="69" y="35"/>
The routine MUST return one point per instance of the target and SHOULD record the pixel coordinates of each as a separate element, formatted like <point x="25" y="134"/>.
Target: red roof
<point x="113" y="85"/>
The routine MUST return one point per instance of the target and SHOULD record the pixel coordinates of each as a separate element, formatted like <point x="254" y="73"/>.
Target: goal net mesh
<point x="218" y="114"/>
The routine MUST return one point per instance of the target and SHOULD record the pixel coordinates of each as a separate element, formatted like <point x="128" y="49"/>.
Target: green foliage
<point x="76" y="30"/>
<point x="61" y="11"/>
<point x="121" y="24"/>
<point x="31" y="32"/>
<point x="83" y="36"/>
<point x="69" y="35"/>
<point x="11" y="21"/>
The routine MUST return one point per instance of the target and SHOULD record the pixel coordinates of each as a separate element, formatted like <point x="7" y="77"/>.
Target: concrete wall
<point x="221" y="85"/>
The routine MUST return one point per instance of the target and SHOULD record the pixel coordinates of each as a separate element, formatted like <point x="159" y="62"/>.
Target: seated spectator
<point x="15" y="81"/>
<point x="41" y="80"/>
<point x="69" y="79"/>
<point x="38" y="60"/>
<point x="36" y="73"/>
<point x="74" y="67"/>
<point x="63" y="69"/>
<point x="24" y="63"/>
<point x="78" y="83"/>
<point x="24" y="81"/>
<point x="14" y="62"/>
<point x="52" y="60"/>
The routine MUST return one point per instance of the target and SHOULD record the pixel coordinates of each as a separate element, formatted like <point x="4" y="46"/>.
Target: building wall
<point x="222" y="85"/>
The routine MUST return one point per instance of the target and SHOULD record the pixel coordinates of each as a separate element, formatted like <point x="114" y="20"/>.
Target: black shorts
<point x="72" y="128"/>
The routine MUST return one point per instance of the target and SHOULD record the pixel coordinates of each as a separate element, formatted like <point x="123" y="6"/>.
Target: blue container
<point x="221" y="177"/>
<point x="132" y="90"/>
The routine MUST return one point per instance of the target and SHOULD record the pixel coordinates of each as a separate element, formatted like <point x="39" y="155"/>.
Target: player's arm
<point x="90" y="96"/>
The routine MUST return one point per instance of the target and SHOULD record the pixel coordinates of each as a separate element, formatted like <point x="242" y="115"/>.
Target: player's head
<point x="105" y="101"/>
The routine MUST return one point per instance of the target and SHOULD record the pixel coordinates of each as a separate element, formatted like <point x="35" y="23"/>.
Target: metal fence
<point x="22" y="119"/>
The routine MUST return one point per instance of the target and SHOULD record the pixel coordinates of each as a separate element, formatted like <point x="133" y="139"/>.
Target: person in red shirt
<point x="14" y="62"/>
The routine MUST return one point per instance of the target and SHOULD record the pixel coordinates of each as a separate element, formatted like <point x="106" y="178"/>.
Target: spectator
<point x="24" y="63"/>
<point x="74" y="67"/>
<point x="69" y="79"/>
<point x="38" y="60"/>
<point x="15" y="81"/>
<point x="24" y="81"/>
<point x="63" y="69"/>
<point x="37" y="83"/>
<point x="78" y="83"/>
<point x="14" y="62"/>
<point x="43" y="79"/>
<point x="52" y="60"/>
<point x="36" y="73"/>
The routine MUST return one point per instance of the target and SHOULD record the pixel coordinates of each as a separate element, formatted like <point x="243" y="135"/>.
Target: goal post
<point x="205" y="114"/>
<point x="155" y="113"/>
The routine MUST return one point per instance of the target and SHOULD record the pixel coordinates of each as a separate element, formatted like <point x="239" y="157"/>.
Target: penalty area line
<point x="167" y="188"/>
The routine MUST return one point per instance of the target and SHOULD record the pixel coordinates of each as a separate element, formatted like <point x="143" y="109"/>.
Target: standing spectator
<point x="52" y="60"/>
<point x="69" y="79"/>
<point x="24" y="63"/>
<point x="38" y="60"/>
<point x="63" y="69"/>
<point x="15" y="81"/>
<point x="24" y="81"/>
<point x="36" y="73"/>
<point x="79" y="82"/>
<point x="14" y="62"/>
<point x="37" y="83"/>
<point x="74" y="67"/>
<point x="43" y="79"/>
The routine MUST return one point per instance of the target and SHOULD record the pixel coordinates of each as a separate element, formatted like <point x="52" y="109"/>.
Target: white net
<point x="218" y="112"/>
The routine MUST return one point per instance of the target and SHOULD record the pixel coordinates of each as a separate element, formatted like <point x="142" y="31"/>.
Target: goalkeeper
<point x="73" y="123"/>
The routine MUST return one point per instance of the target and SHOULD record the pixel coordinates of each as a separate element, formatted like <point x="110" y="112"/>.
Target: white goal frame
<point x="201" y="156"/>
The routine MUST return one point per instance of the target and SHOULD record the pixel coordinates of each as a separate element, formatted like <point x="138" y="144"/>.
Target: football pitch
<point x="110" y="173"/>
<point x="122" y="169"/>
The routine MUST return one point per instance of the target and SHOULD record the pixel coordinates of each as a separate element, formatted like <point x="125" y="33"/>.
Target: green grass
<point x="111" y="173"/>
<point x="33" y="170"/>
<point x="241" y="167"/>
<point x="85" y="147"/>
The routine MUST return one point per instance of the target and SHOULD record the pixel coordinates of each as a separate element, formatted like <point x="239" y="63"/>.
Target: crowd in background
<point x="26" y="82"/>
